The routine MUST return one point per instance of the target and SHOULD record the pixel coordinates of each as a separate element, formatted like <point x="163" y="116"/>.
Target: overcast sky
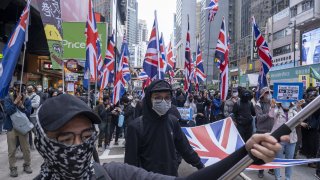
<point x="165" y="10"/>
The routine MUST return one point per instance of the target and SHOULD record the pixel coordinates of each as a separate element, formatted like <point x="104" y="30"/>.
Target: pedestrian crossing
<point x="113" y="151"/>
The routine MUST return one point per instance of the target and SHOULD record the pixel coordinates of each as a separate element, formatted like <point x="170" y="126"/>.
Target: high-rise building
<point x="142" y="31"/>
<point x="132" y="23"/>
<point x="209" y="39"/>
<point x="198" y="18"/>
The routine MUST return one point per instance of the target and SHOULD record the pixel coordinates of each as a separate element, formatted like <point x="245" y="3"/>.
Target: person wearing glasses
<point x="65" y="138"/>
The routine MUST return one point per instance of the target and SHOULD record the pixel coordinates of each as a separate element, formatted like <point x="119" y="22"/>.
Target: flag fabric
<point x="143" y="75"/>
<point x="107" y="75"/>
<point x="125" y="60"/>
<point x="12" y="51"/>
<point x="314" y="74"/>
<point x="187" y="63"/>
<point x="92" y="48"/>
<point x="170" y="59"/>
<point x="214" y="142"/>
<point x="213" y="8"/>
<point x="151" y="60"/>
<point x="163" y="61"/>
<point x="264" y="57"/>
<point x="200" y="75"/>
<point x="222" y="59"/>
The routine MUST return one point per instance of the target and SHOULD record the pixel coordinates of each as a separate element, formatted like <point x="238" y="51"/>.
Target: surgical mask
<point x="161" y="107"/>
<point x="29" y="90"/>
<point x="39" y="89"/>
<point x="268" y="97"/>
<point x="235" y="94"/>
<point x="285" y="105"/>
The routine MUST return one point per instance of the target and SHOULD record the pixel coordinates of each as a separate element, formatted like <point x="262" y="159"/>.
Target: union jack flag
<point x="222" y="58"/>
<point x="13" y="50"/>
<point x="125" y="60"/>
<point x="143" y="75"/>
<point x="93" y="51"/>
<point x="200" y="75"/>
<point x="108" y="66"/>
<point x="151" y="60"/>
<point x="162" y="63"/>
<point x="213" y="9"/>
<point x="264" y="56"/>
<point x="170" y="58"/>
<point x="187" y="63"/>
<point x="214" y="142"/>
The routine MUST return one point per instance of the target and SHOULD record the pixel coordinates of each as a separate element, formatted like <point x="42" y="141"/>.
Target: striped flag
<point x="151" y="60"/>
<point x="187" y="63"/>
<point x="213" y="9"/>
<point x="264" y="57"/>
<point x="222" y="59"/>
<point x="93" y="52"/>
<point x="107" y="75"/>
<point x="163" y="61"/>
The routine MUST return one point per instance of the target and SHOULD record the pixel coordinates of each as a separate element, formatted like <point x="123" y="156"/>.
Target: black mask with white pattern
<point x="61" y="161"/>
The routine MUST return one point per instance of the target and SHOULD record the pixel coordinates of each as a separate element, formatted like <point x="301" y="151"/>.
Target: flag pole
<point x="157" y="40"/>
<point x="208" y="54"/>
<point x="89" y="83"/>
<point x="63" y="77"/>
<point x="22" y="70"/>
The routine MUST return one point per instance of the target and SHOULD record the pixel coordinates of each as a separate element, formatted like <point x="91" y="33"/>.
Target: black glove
<point x="199" y="166"/>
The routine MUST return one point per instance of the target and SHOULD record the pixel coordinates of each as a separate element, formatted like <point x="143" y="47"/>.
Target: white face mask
<point x="161" y="107"/>
<point x="39" y="89"/>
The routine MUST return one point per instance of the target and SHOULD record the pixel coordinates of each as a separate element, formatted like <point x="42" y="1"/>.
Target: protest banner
<point x="186" y="113"/>
<point x="288" y="92"/>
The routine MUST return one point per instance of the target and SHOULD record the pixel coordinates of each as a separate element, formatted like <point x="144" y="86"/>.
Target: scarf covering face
<point x="61" y="161"/>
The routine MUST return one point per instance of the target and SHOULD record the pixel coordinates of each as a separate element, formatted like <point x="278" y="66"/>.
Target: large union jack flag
<point x="151" y="60"/>
<point x="93" y="51"/>
<point x="163" y="61"/>
<point x="187" y="63"/>
<point x="200" y="75"/>
<point x="107" y="75"/>
<point x="264" y="57"/>
<point x="214" y="142"/>
<point x="221" y="57"/>
<point x="213" y="8"/>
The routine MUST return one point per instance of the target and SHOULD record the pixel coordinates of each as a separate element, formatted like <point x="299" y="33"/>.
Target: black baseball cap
<point x="161" y="85"/>
<point x="57" y="111"/>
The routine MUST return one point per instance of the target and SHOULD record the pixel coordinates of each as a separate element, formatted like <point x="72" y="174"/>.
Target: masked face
<point x="267" y="96"/>
<point x="29" y="89"/>
<point x="61" y="159"/>
<point x="161" y="102"/>
<point x="39" y="88"/>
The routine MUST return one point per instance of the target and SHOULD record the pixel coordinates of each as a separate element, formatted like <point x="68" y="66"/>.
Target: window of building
<point x="282" y="50"/>
<point x="306" y="5"/>
<point x="281" y="34"/>
<point x="294" y="11"/>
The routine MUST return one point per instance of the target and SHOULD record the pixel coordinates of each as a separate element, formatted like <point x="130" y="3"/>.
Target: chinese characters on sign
<point x="288" y="92"/>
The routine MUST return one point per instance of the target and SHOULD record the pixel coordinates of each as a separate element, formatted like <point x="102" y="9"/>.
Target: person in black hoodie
<point x="152" y="139"/>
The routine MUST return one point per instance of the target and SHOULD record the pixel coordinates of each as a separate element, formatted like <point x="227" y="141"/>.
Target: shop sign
<point x="71" y="77"/>
<point x="74" y="39"/>
<point x="72" y="65"/>
<point x="292" y="73"/>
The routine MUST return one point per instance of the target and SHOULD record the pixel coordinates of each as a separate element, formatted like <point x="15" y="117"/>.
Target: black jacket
<point x="243" y="112"/>
<point x="152" y="141"/>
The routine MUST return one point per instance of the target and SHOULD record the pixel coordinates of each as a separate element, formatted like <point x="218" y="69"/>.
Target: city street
<point x="116" y="153"/>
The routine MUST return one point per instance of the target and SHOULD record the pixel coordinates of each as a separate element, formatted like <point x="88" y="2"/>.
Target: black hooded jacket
<point x="152" y="141"/>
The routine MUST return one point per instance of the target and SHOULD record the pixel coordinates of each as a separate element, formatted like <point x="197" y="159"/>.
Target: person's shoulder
<point x="135" y="123"/>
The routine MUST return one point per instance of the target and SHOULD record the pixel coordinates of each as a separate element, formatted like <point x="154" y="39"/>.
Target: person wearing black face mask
<point x="153" y="139"/>
<point x="243" y="111"/>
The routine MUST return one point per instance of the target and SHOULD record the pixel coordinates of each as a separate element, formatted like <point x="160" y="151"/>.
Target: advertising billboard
<point x="74" y="39"/>
<point x="310" y="47"/>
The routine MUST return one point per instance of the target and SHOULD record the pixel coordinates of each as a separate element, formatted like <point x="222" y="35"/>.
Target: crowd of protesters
<point x="252" y="113"/>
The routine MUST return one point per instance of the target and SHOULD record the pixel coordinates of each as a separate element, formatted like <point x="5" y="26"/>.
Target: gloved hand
<point x="199" y="166"/>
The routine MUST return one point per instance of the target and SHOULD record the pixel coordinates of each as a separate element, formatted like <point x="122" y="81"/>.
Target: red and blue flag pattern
<point x="264" y="57"/>
<point x="143" y="75"/>
<point x="214" y="142"/>
<point x="163" y="61"/>
<point x="13" y="50"/>
<point x="200" y="75"/>
<point x="125" y="60"/>
<point x="222" y="58"/>
<point x="107" y="75"/>
<point x="213" y="8"/>
<point x="93" y="50"/>
<point x="187" y="63"/>
<point x="151" y="60"/>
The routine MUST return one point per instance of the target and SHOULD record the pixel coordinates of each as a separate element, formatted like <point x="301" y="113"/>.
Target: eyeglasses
<point x="68" y="138"/>
<point x="160" y="98"/>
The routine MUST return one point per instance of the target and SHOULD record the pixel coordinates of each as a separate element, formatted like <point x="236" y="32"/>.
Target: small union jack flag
<point x="151" y="60"/>
<point x="93" y="51"/>
<point x="170" y="58"/>
<point x="108" y="66"/>
<point x="143" y="75"/>
<point x="213" y="9"/>
<point x="125" y="60"/>
<point x="222" y="59"/>
<point x="200" y="75"/>
<point x="187" y="63"/>
<point x="264" y="57"/>
<point x="162" y="63"/>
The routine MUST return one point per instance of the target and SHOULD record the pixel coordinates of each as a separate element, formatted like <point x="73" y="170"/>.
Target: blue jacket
<point x="216" y="106"/>
<point x="11" y="108"/>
